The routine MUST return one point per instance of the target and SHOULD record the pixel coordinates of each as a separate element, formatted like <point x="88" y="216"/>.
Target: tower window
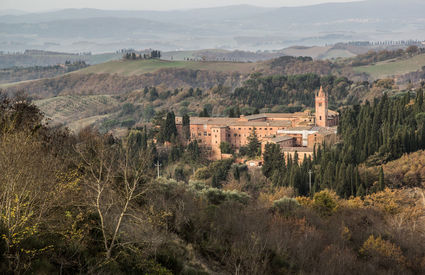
<point x="320" y="118"/>
<point x="320" y="104"/>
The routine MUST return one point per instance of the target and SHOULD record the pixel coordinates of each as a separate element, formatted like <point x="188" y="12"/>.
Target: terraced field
<point x="77" y="111"/>
<point x="393" y="67"/>
<point x="137" y="67"/>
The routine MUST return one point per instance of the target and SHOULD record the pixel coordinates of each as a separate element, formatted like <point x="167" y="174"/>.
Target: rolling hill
<point x="138" y="67"/>
<point x="393" y="67"/>
<point x="234" y="27"/>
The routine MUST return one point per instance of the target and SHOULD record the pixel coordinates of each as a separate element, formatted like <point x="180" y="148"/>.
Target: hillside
<point x="32" y="58"/>
<point x="393" y="67"/>
<point x="199" y="216"/>
<point x="137" y="67"/>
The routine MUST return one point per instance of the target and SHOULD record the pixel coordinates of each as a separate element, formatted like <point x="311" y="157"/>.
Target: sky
<point x="46" y="5"/>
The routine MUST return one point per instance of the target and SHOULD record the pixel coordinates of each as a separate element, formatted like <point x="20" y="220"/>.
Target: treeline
<point x="298" y="90"/>
<point x="155" y="54"/>
<point x="17" y="74"/>
<point x="371" y="133"/>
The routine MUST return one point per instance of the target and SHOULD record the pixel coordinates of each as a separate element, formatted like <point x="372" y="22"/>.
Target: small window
<point x="265" y="128"/>
<point x="249" y="128"/>
<point x="209" y="134"/>
<point x="205" y="134"/>
<point x="199" y="134"/>
<point x="320" y="118"/>
<point x="239" y="128"/>
<point x="320" y="104"/>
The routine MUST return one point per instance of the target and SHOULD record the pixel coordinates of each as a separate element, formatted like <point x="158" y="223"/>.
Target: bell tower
<point x="321" y="108"/>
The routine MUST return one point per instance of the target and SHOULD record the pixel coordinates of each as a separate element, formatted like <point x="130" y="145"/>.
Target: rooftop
<point x="281" y="138"/>
<point x="297" y="149"/>
<point x="227" y="121"/>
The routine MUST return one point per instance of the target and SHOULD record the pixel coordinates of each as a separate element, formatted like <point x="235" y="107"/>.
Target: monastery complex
<point x="294" y="132"/>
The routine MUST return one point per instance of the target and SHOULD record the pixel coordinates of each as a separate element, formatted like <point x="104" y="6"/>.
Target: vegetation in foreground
<point x="90" y="203"/>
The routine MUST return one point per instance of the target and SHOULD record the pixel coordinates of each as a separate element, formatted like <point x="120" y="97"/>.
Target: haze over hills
<point x="235" y="27"/>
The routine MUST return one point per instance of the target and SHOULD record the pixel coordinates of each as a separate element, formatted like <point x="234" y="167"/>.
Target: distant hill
<point x="139" y="67"/>
<point x="393" y="67"/>
<point x="43" y="58"/>
<point x="234" y="27"/>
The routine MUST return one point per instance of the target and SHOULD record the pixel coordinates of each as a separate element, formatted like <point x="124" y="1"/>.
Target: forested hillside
<point x="17" y="74"/>
<point x="91" y="203"/>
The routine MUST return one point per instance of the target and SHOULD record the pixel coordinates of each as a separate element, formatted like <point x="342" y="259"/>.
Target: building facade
<point x="290" y="130"/>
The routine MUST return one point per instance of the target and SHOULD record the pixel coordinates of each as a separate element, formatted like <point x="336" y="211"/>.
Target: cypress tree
<point x="254" y="145"/>
<point x="186" y="126"/>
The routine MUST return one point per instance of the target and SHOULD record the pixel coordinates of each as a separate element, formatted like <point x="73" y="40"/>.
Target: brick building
<point x="290" y="130"/>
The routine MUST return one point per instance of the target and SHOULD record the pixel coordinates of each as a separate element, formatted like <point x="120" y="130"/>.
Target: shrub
<point x="217" y="196"/>
<point x="382" y="251"/>
<point x="285" y="205"/>
<point x="202" y="173"/>
<point x="325" y="202"/>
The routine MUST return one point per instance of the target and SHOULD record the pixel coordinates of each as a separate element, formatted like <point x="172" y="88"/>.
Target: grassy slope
<point x="393" y="67"/>
<point x="148" y="66"/>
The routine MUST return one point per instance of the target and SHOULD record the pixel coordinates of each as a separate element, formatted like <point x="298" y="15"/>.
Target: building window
<point x="239" y="128"/>
<point x="205" y="134"/>
<point x="209" y="134"/>
<point x="320" y="104"/>
<point x="249" y="128"/>
<point x="320" y="118"/>
<point x="265" y="128"/>
<point x="199" y="134"/>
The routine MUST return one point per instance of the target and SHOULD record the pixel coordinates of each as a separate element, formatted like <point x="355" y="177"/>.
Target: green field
<point x="137" y="67"/>
<point x="393" y="67"/>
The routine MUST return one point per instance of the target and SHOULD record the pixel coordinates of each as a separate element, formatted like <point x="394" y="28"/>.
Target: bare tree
<point x="116" y="176"/>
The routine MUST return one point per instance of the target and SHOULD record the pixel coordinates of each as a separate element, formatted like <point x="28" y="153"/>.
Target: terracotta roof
<point x="226" y="121"/>
<point x="281" y="138"/>
<point x="276" y="115"/>
<point x="297" y="149"/>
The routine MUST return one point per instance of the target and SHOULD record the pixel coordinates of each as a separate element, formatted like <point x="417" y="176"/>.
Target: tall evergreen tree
<point x="254" y="145"/>
<point x="186" y="126"/>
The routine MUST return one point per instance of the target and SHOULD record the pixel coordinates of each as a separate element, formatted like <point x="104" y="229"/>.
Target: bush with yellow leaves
<point x="382" y="251"/>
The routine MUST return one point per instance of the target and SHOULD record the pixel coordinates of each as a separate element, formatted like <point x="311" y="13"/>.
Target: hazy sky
<point x="42" y="5"/>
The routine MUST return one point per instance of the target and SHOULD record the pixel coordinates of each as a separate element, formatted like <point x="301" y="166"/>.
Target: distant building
<point x="298" y="131"/>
